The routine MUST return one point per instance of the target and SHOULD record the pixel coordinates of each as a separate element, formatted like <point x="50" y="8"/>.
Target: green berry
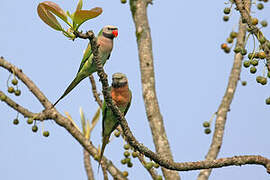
<point x="243" y="52"/>
<point x="11" y="89"/>
<point x="264" y="23"/>
<point x="149" y="165"/>
<point x="123" y="1"/>
<point x="260" y="6"/>
<point x="123" y="161"/>
<point x="250" y="55"/>
<point x="229" y="40"/>
<point x="126" y="146"/>
<point x="267" y="101"/>
<point x="14" y="81"/>
<point x="3" y="97"/>
<point x="206" y="124"/>
<point x="227" y="10"/>
<point x="258" y="79"/>
<point x="244" y="83"/>
<point x="227" y="50"/>
<point x="30" y="121"/>
<point x="17" y="92"/>
<point x="130" y="164"/>
<point x="254" y="62"/>
<point x="117" y="133"/>
<point x="125" y="173"/>
<point x="135" y="154"/>
<point x="16" y="121"/>
<point x="34" y="128"/>
<point x="237" y="49"/>
<point x="263" y="81"/>
<point x="46" y="133"/>
<point x="246" y="64"/>
<point x="207" y="131"/>
<point x="126" y="154"/>
<point x="156" y="165"/>
<point x="253" y="70"/>
<point x="233" y="34"/>
<point x="225" y="18"/>
<point x="128" y="160"/>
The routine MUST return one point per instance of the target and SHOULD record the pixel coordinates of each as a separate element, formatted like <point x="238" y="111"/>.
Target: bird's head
<point x="110" y="31"/>
<point x="119" y="80"/>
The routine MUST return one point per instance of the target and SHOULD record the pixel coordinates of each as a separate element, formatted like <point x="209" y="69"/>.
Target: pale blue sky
<point x="191" y="76"/>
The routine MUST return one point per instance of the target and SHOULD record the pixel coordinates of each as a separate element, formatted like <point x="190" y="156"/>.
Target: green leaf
<point x="80" y="16"/>
<point x="47" y="10"/>
<point x="48" y="18"/>
<point x="79" y="6"/>
<point x="82" y="121"/>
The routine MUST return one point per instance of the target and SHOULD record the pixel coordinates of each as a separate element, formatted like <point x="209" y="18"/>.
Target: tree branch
<point x="51" y="113"/>
<point x="169" y="164"/>
<point x="224" y="107"/>
<point x="151" y="171"/>
<point x="144" y="42"/>
<point x="88" y="165"/>
<point x="94" y="91"/>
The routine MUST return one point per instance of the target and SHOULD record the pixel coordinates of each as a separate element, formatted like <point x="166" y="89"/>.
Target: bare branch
<point x="88" y="165"/>
<point x="94" y="91"/>
<point x="25" y="112"/>
<point x="225" y="103"/>
<point x="144" y="41"/>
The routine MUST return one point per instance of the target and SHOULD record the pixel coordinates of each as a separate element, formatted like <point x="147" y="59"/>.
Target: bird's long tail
<point x="71" y="86"/>
<point x="105" y="141"/>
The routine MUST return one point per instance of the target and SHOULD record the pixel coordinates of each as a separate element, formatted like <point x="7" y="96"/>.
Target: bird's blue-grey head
<point x="110" y="31"/>
<point x="119" y="80"/>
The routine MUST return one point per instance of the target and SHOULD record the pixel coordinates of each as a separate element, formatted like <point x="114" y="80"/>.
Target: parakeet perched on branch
<point x="88" y="67"/>
<point x="121" y="95"/>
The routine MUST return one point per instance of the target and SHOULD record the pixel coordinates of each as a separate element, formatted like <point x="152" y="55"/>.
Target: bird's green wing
<point x="126" y="110"/>
<point x="86" y="55"/>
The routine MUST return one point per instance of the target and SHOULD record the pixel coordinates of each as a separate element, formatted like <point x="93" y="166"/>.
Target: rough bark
<point x="144" y="42"/>
<point x="224" y="107"/>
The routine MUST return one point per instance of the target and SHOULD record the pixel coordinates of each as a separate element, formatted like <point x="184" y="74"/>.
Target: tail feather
<point x="105" y="141"/>
<point x="71" y="86"/>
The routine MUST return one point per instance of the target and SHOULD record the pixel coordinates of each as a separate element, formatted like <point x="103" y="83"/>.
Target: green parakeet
<point x="87" y="66"/>
<point x="121" y="95"/>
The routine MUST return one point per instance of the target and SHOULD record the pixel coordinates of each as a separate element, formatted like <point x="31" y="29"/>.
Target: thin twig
<point x="88" y="165"/>
<point x="151" y="171"/>
<point x="94" y="91"/>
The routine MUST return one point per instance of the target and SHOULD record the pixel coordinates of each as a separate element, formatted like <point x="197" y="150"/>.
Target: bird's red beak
<point x="115" y="33"/>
